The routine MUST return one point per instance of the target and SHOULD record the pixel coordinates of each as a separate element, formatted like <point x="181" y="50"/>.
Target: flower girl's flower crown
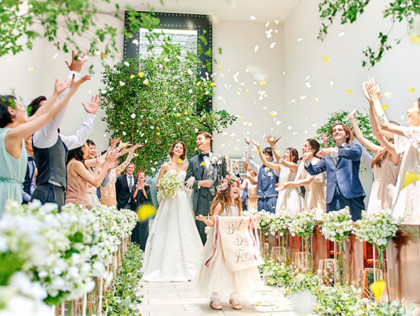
<point x="228" y="180"/>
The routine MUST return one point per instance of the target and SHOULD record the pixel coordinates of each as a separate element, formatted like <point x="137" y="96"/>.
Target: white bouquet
<point x="168" y="185"/>
<point x="303" y="224"/>
<point x="263" y="220"/>
<point x="280" y="223"/>
<point x="337" y="225"/>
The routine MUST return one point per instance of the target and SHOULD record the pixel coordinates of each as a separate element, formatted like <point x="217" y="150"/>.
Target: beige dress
<point x="315" y="193"/>
<point x="108" y="195"/>
<point x="76" y="187"/>
<point x="217" y="278"/>
<point x="252" y="196"/>
<point x="383" y="187"/>
<point x="406" y="202"/>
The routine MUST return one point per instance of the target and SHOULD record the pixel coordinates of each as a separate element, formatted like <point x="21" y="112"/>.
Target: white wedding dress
<point x="174" y="246"/>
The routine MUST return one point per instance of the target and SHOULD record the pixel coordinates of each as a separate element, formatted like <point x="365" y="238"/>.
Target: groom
<point x="206" y="169"/>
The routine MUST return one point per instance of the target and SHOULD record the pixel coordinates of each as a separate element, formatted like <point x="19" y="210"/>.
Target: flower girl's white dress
<point x="174" y="246"/>
<point x="217" y="278"/>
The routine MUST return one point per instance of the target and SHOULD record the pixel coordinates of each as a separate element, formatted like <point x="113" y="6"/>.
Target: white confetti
<point x="308" y="84"/>
<point x="135" y="42"/>
<point x="103" y="91"/>
<point x="302" y="97"/>
<point x="300" y="39"/>
<point x="133" y="116"/>
<point x="314" y="125"/>
<point x="331" y="83"/>
<point x="256" y="48"/>
<point x="307" y="78"/>
<point x="233" y="134"/>
<point x="153" y="169"/>
<point x="289" y="127"/>
<point x="273" y="44"/>
<point x="388" y="95"/>
<point x="306" y="131"/>
<point x="124" y="133"/>
<point x="276" y="21"/>
<point x="252" y="17"/>
<point x="126" y="63"/>
<point x="122" y="83"/>
<point x="250" y="124"/>
<point x="284" y="73"/>
<point x="341" y="34"/>
<point x="9" y="60"/>
<point x="293" y="101"/>
<point x="152" y="127"/>
<point x="295" y="133"/>
<point x="267" y="24"/>
<point x="278" y="123"/>
<point x="55" y="56"/>
<point x="104" y="135"/>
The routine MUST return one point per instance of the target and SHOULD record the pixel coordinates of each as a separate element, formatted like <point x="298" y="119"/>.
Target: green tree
<point x="349" y="10"/>
<point x="157" y="100"/>
<point x="65" y="23"/>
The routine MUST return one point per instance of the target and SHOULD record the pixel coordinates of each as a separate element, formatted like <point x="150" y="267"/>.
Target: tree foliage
<point x="349" y="10"/>
<point x="363" y="121"/>
<point x="157" y="100"/>
<point x="66" y="24"/>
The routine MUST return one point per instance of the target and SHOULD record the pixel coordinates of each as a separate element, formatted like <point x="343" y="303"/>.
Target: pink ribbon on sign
<point x="250" y="228"/>
<point x="216" y="241"/>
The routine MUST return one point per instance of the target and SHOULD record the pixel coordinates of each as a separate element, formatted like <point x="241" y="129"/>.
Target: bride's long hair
<point x="184" y="147"/>
<point x="223" y="198"/>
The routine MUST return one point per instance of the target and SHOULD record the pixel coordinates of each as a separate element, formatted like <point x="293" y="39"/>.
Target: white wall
<point x="238" y="40"/>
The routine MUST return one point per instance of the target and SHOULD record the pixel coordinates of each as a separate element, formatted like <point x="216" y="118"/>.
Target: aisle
<point x="180" y="299"/>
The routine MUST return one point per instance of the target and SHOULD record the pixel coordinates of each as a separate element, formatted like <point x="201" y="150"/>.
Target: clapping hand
<point x="324" y="153"/>
<point x="94" y="104"/>
<point x="77" y="61"/>
<point x="271" y="140"/>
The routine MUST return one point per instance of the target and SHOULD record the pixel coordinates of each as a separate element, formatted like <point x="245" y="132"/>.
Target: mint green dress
<point x="12" y="173"/>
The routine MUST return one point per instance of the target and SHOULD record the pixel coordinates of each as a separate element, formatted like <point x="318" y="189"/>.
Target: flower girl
<point x="228" y="268"/>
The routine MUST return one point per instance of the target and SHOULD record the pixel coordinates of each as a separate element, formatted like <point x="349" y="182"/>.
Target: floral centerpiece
<point x="168" y="185"/>
<point x="280" y="224"/>
<point x="377" y="228"/>
<point x="303" y="225"/>
<point x="336" y="226"/>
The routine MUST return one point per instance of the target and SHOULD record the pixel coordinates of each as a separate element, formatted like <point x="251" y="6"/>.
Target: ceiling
<point x="224" y="10"/>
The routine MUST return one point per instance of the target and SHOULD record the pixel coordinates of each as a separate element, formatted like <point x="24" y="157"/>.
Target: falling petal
<point x="308" y="84"/>
<point x="124" y="133"/>
<point x="146" y="82"/>
<point x="303" y="97"/>
<point x="132" y="76"/>
<point x="314" y="124"/>
<point x="289" y="127"/>
<point x="55" y="56"/>
<point x="104" y="135"/>
<point x="253" y="18"/>
<point x="414" y="38"/>
<point x="295" y="133"/>
<point x="388" y="95"/>
<point x="377" y="289"/>
<point x="278" y="123"/>
<point x="410" y="177"/>
<point x="300" y="39"/>
<point x="341" y="34"/>
<point x="267" y="24"/>
<point x="348" y="91"/>
<point x="133" y="116"/>
<point x="293" y="101"/>
<point x="122" y="83"/>
<point x="411" y="90"/>
<point x="331" y="83"/>
<point x="316" y="99"/>
<point x="326" y="59"/>
<point x="384" y="107"/>
<point x="273" y="44"/>
<point x="263" y="83"/>
<point x="126" y="63"/>
<point x="135" y="42"/>
<point x="256" y="48"/>
<point x="31" y="69"/>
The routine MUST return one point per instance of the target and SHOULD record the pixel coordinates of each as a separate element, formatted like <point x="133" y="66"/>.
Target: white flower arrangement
<point x="280" y="223"/>
<point x="377" y="228"/>
<point x="264" y="220"/>
<point x="169" y="184"/>
<point x="303" y="224"/>
<point x="59" y="253"/>
<point x="337" y="225"/>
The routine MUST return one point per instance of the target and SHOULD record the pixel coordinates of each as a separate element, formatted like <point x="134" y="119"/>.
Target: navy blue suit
<point x="343" y="184"/>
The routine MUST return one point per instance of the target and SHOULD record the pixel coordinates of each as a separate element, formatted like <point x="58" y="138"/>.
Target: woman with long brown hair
<point x="216" y="279"/>
<point x="385" y="164"/>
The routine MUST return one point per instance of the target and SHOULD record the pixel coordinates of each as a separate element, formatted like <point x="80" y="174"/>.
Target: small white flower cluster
<point x="337" y="225"/>
<point x="280" y="223"/>
<point x="377" y="228"/>
<point x="264" y="220"/>
<point x="169" y="184"/>
<point x="303" y="224"/>
<point x="59" y="253"/>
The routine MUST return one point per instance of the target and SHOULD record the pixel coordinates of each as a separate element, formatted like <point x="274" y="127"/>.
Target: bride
<point x="174" y="246"/>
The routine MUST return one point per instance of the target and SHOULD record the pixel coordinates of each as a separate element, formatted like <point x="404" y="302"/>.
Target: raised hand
<point x="114" y="142"/>
<point x="59" y="87"/>
<point x="113" y="165"/>
<point x="281" y="186"/>
<point x="77" y="61"/>
<point x="352" y="114"/>
<point x="256" y="143"/>
<point x="94" y="104"/>
<point x="74" y="85"/>
<point x="246" y="139"/>
<point x="325" y="137"/>
<point x="235" y="165"/>
<point x="372" y="89"/>
<point x="138" y="145"/>
<point x="111" y="156"/>
<point x="271" y="140"/>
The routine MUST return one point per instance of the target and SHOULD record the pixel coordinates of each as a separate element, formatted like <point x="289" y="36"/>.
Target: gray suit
<point x="202" y="197"/>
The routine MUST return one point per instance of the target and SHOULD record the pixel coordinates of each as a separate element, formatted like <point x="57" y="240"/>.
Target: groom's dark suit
<point x="215" y="170"/>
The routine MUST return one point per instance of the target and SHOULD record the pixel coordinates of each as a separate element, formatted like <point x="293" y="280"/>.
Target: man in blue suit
<point x="342" y="167"/>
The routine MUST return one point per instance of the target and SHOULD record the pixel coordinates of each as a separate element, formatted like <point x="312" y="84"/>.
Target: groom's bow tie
<point x="204" y="155"/>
